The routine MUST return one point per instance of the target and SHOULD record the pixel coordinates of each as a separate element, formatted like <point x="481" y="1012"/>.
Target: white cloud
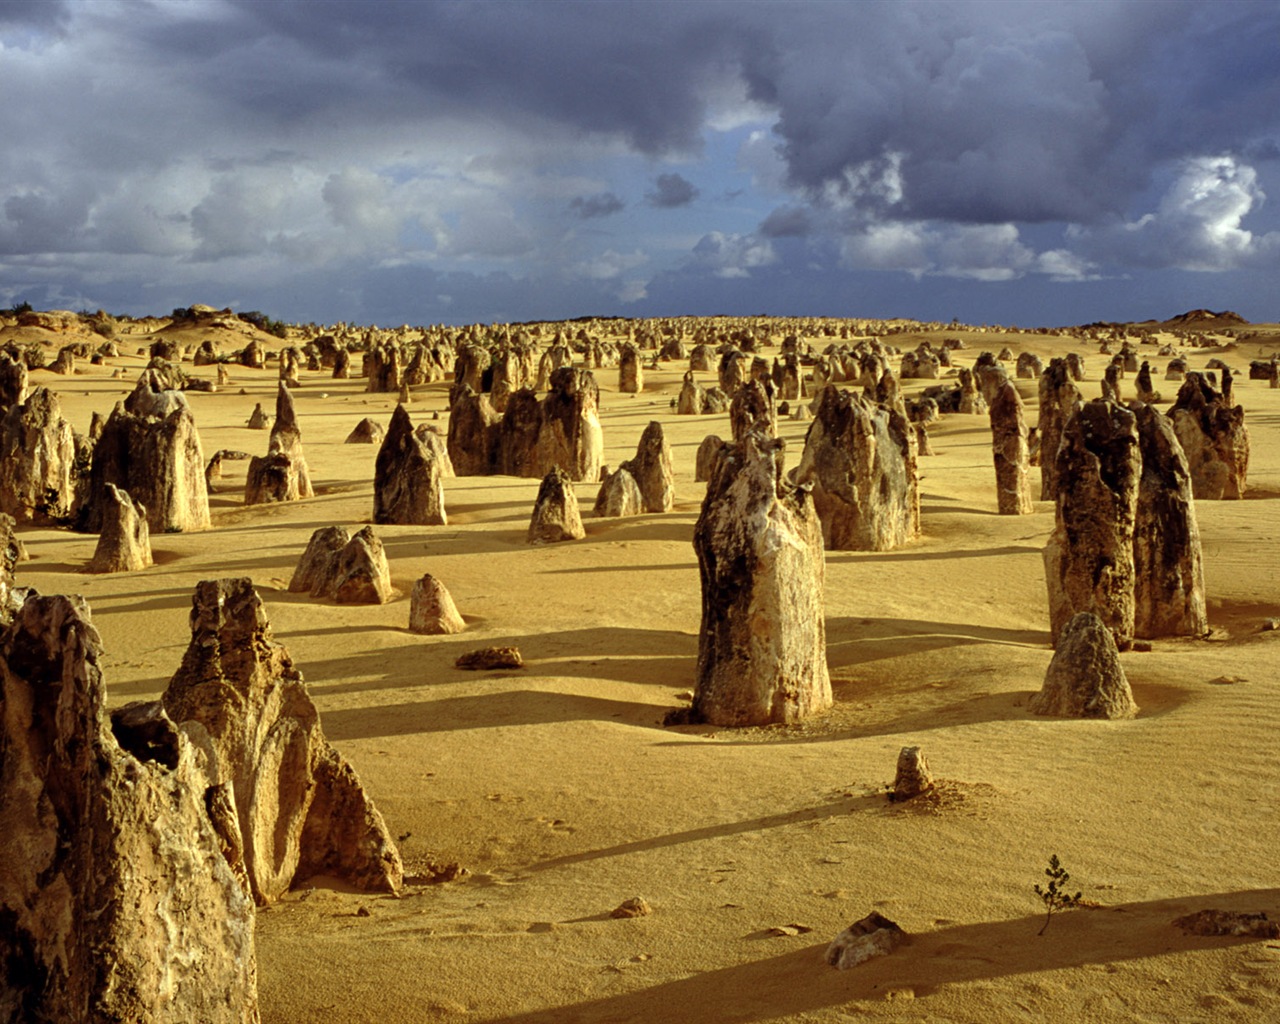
<point x="732" y="255"/>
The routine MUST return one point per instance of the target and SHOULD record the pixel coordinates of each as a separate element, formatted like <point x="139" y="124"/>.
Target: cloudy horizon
<point x="397" y="162"/>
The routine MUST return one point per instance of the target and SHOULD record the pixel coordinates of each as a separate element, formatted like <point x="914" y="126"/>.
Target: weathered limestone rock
<point x="762" y="645"/>
<point x="1085" y="678"/>
<point x="1169" y="598"/>
<point x="619" y="496"/>
<point x="408" y="486"/>
<point x="384" y="368"/>
<point x="630" y="371"/>
<point x="1075" y="365"/>
<point x="693" y="397"/>
<point x="473" y="432"/>
<point x="569" y="436"/>
<point x="1058" y="399"/>
<point x="488" y="658"/>
<point x="702" y="359"/>
<point x="1144" y="386"/>
<point x="1111" y="383"/>
<point x="733" y="371"/>
<point x="367" y="431"/>
<point x="283" y="474"/>
<point x="253" y="355"/>
<point x="224" y="375"/>
<point x="555" y="513"/>
<point x="154" y="455"/>
<point x="300" y="807"/>
<point x="116" y="902"/>
<point x="971" y="401"/>
<point x="912" y="776"/>
<point x="717" y="401"/>
<point x="1029" y="366"/>
<point x="924" y="447"/>
<point x="258" y="419"/>
<point x="362" y="574"/>
<point x="875" y="935"/>
<point x="39" y="475"/>
<point x="860" y="461"/>
<point x="317" y="570"/>
<point x="704" y="462"/>
<point x="13" y="381"/>
<point x="652" y="471"/>
<point x="1089" y="558"/>
<point x="1012" y="456"/>
<point x="289" y="366"/>
<point x="1176" y="369"/>
<point x="1214" y="437"/>
<point x="435" y="443"/>
<point x="752" y="410"/>
<point x="431" y="609"/>
<point x="342" y="364"/>
<point x="124" y="545"/>
<point x="11" y="552"/>
<point x="990" y="376"/>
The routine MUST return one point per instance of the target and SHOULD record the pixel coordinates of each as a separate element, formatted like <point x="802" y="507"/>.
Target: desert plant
<point x="1054" y="895"/>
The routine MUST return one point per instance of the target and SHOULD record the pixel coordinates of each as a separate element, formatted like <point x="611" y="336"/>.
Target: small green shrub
<point x="1054" y="895"/>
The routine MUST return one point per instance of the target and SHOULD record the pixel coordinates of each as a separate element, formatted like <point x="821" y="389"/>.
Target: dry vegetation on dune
<point x="561" y="792"/>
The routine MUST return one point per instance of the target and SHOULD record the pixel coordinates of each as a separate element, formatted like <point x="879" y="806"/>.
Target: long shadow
<point x="928" y="556"/>
<point x="798" y="982"/>
<point x="948" y="634"/>
<point x="637" y="528"/>
<point x="484" y="711"/>
<point x="682" y="566"/>
<point x="843" y="806"/>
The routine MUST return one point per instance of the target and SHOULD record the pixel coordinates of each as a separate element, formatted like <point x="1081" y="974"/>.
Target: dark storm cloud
<point x="39" y="15"/>
<point x="636" y="71"/>
<point x="671" y="191"/>
<point x="602" y="204"/>
<point x="787" y="222"/>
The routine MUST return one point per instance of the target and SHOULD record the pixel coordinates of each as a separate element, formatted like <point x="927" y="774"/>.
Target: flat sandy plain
<point x="561" y="792"/>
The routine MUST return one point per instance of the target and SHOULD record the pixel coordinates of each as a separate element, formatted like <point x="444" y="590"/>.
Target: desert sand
<point x="560" y="791"/>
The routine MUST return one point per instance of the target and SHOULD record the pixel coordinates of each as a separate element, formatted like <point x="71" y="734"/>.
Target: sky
<point x="998" y="162"/>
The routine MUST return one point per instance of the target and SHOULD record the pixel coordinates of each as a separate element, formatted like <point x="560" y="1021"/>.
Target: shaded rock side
<point x="367" y="431"/>
<point x="473" y="432"/>
<point x="124" y="545"/>
<point x="1085" y="678"/>
<point x="860" y="461"/>
<point x="1168" y="571"/>
<point x="875" y="935"/>
<point x="362" y="575"/>
<point x="317" y="570"/>
<point x="239" y="698"/>
<point x="752" y="410"/>
<point x="1058" y="399"/>
<point x="408" y="487"/>
<point x="555" y="513"/>
<point x="1214" y="438"/>
<point x="1011" y="452"/>
<point x="652" y="471"/>
<point x="116" y="902"/>
<point x="762" y="644"/>
<point x="1089" y="558"/>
